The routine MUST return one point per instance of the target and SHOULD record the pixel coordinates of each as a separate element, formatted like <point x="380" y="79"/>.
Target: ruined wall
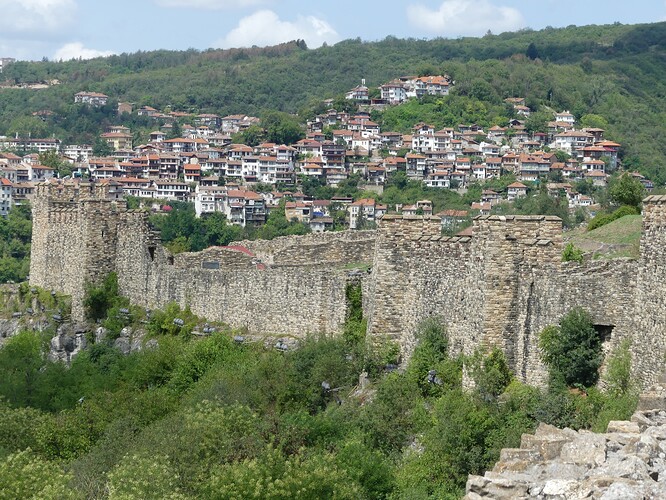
<point x="330" y="248"/>
<point x="265" y="292"/>
<point x="74" y="238"/>
<point x="500" y="287"/>
<point x="649" y="308"/>
<point x="417" y="273"/>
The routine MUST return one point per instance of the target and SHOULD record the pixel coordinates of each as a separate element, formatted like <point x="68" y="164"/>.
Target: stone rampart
<point x="499" y="287"/>
<point x="315" y="249"/>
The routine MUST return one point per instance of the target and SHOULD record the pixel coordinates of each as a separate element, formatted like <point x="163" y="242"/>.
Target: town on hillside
<point x="201" y="158"/>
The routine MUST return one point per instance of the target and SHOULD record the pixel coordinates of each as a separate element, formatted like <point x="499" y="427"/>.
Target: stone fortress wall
<point x="499" y="287"/>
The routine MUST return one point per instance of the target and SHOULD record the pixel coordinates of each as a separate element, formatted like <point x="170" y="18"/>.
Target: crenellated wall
<point x="499" y="287"/>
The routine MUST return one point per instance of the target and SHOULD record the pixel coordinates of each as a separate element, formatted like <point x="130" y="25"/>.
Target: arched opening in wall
<point x="604" y="332"/>
<point x="151" y="253"/>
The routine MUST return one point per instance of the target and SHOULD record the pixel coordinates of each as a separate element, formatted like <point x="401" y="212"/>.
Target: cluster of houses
<point x="401" y="89"/>
<point x="203" y="164"/>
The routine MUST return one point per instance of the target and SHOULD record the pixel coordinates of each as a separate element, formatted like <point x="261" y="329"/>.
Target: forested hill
<point x="617" y="72"/>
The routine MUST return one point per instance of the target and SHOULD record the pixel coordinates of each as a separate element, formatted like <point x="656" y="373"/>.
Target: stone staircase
<point x="627" y="462"/>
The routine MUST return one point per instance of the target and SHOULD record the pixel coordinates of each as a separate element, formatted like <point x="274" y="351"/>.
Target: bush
<point x="572" y="351"/>
<point x="491" y="374"/>
<point x="572" y="253"/>
<point x="99" y="299"/>
<point x="603" y="219"/>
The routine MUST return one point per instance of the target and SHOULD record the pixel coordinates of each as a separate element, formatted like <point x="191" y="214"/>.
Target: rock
<point x="622" y="426"/>
<point x="560" y="488"/>
<point x="587" y="449"/>
<point x="123" y="345"/>
<point x="622" y="491"/>
<point x="100" y="334"/>
<point x="557" y="464"/>
<point x="151" y="344"/>
<point x="627" y="467"/>
<point x="68" y="341"/>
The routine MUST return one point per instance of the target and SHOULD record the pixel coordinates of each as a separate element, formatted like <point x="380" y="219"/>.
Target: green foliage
<point x="626" y="190"/>
<point x="491" y="374"/>
<point x="17" y="428"/>
<point x="20" y="361"/>
<point x="603" y="219"/>
<point x="100" y="298"/>
<point x="431" y="353"/>
<point x="148" y="477"/>
<point x="572" y="351"/>
<point x="26" y="475"/>
<point x="203" y="417"/>
<point x="15" y="238"/>
<point x="572" y="253"/>
<point x="274" y="477"/>
<point x="161" y="321"/>
<point x="389" y="421"/>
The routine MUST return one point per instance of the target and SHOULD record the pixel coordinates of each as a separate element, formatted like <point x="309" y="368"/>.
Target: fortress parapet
<point x="498" y="285"/>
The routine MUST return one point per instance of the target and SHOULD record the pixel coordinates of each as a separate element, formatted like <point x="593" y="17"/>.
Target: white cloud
<point x="209" y="4"/>
<point x="465" y="17"/>
<point x="266" y="28"/>
<point x="35" y="18"/>
<point x="76" y="50"/>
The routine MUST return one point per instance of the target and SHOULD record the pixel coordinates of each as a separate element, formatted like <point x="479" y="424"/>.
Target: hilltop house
<point x="92" y="98"/>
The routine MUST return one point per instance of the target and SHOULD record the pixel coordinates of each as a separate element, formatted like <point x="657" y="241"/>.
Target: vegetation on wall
<point x="209" y="417"/>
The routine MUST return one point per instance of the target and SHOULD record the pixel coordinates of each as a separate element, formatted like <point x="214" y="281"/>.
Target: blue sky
<point x="64" y="29"/>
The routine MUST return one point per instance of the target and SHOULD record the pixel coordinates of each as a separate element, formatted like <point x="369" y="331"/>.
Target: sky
<point x="66" y="29"/>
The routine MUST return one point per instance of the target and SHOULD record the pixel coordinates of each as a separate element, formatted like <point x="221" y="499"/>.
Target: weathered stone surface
<point x="587" y="466"/>
<point x="497" y="288"/>
<point x="622" y="426"/>
<point x="69" y="340"/>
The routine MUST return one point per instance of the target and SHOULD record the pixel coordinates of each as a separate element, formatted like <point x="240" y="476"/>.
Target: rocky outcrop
<point x="131" y="340"/>
<point x="69" y="340"/>
<point x="628" y="461"/>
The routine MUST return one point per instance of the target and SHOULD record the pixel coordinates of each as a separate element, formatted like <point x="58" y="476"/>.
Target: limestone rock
<point x="623" y="426"/>
<point x="561" y="464"/>
<point x="587" y="449"/>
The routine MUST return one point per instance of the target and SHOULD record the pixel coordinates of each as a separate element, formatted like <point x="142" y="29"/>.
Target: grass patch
<point x="620" y="238"/>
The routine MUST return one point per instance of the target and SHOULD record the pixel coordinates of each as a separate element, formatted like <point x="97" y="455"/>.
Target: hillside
<point x="609" y="76"/>
<point x="620" y="238"/>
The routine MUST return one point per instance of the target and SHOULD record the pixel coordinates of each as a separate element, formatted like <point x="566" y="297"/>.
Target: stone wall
<point x="315" y="249"/>
<point x="75" y="230"/>
<point x="648" y="314"/>
<point x="499" y="287"/>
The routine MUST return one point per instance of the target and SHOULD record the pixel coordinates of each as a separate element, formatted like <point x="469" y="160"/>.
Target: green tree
<point x="627" y="190"/>
<point x="100" y="298"/>
<point x="572" y="350"/>
<point x="532" y="51"/>
<point x="281" y="128"/>
<point x="101" y="147"/>
<point x="26" y="475"/>
<point x="20" y="361"/>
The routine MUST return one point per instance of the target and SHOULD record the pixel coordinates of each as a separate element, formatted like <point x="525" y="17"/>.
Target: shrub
<point x="572" y="253"/>
<point x="491" y="374"/>
<point x="99" y="299"/>
<point x="572" y="351"/>
<point x="603" y="219"/>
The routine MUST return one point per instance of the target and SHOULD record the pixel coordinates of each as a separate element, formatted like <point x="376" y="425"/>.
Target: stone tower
<point x="75" y="229"/>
